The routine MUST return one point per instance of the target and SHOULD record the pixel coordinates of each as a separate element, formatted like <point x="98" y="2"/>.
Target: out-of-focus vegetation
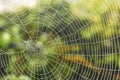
<point x="79" y="37"/>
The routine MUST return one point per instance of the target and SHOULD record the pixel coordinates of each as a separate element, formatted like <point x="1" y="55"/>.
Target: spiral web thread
<point x="76" y="55"/>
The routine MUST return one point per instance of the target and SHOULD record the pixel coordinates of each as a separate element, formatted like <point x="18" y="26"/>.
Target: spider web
<point x="54" y="43"/>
